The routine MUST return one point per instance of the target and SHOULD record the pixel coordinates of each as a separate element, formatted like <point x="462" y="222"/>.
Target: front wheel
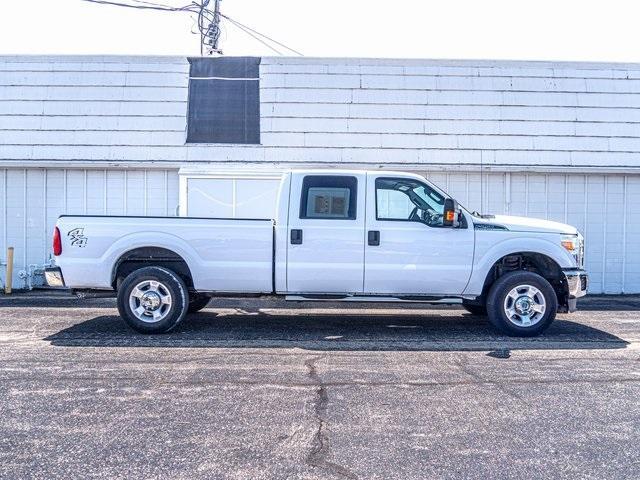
<point x="152" y="300"/>
<point x="521" y="304"/>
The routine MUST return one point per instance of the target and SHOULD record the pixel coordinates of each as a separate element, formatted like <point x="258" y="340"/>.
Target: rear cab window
<point x="329" y="197"/>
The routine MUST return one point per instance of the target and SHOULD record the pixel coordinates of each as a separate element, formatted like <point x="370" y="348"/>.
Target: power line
<point x="207" y="21"/>
<point x="150" y="3"/>
<point x="256" y="37"/>
<point x="240" y="25"/>
<point x="143" y="5"/>
<point x="209" y="33"/>
<point x="212" y="33"/>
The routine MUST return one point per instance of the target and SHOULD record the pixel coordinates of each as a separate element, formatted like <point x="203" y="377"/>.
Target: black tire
<point x="475" y="309"/>
<point x="197" y="302"/>
<point x="496" y="306"/>
<point x="169" y="284"/>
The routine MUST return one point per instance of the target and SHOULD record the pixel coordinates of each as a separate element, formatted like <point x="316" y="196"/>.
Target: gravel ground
<point x="262" y="390"/>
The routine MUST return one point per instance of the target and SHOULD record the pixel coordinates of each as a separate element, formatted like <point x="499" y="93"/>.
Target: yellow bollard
<point x="9" y="277"/>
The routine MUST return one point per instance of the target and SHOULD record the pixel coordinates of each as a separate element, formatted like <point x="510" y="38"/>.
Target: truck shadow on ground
<point x="63" y="300"/>
<point x="452" y="331"/>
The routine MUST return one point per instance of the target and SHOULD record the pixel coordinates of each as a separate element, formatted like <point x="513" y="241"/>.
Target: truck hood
<point x="526" y="224"/>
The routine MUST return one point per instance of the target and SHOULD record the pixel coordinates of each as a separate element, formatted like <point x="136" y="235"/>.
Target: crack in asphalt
<point x="320" y="446"/>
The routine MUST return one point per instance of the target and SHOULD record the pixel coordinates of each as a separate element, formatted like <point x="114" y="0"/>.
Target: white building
<point x="108" y="135"/>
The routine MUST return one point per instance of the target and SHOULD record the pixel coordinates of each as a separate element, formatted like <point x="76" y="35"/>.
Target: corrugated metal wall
<point x="600" y="206"/>
<point x="31" y="200"/>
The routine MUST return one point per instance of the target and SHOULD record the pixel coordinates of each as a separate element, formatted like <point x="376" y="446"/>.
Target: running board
<point x="352" y="298"/>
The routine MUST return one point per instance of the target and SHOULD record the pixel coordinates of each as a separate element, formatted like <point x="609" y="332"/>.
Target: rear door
<point x="325" y="252"/>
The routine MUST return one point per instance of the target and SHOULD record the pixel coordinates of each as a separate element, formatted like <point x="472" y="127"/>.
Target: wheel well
<point x="534" y="262"/>
<point x="150" y="256"/>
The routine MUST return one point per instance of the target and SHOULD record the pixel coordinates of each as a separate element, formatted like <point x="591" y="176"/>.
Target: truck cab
<point x="373" y="234"/>
<point x="337" y="235"/>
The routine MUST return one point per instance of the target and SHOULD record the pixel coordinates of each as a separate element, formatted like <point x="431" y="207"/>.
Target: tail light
<point x="57" y="242"/>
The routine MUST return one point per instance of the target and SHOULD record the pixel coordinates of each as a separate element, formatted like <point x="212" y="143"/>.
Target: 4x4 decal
<point x="77" y="237"/>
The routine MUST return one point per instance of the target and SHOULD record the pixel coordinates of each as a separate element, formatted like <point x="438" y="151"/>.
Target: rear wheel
<point x="197" y="302"/>
<point x="152" y="300"/>
<point x="522" y="304"/>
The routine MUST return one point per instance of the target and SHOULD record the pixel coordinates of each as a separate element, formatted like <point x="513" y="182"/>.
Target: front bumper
<point x="53" y="277"/>
<point x="577" y="284"/>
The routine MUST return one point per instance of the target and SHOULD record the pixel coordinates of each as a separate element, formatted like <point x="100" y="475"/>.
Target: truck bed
<point x="223" y="255"/>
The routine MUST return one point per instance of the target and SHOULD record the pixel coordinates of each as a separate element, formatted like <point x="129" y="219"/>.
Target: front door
<point x="408" y="250"/>
<point x="325" y="252"/>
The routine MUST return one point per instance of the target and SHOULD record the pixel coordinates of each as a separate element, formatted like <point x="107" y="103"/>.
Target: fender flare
<point x="482" y="266"/>
<point x="141" y="240"/>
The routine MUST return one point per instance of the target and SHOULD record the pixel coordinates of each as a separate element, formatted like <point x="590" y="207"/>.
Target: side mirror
<point x="451" y="215"/>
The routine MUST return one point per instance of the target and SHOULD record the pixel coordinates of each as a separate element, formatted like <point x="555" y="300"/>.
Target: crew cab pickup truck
<point x="339" y="236"/>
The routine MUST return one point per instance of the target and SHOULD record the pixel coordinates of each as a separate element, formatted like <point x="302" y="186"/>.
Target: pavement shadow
<point x="454" y="331"/>
<point x="615" y="303"/>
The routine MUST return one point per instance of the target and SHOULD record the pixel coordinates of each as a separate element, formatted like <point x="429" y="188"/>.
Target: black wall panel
<point x="224" y="100"/>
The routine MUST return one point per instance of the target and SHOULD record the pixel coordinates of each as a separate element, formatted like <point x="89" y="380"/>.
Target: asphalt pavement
<point x="270" y="390"/>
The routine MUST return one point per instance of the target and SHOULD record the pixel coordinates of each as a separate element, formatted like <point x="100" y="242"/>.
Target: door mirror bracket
<point x="451" y="214"/>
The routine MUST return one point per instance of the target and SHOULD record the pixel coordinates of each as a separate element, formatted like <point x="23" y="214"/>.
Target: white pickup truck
<point x="338" y="235"/>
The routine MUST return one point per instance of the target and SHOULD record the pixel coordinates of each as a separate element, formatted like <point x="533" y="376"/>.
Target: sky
<point x="580" y="30"/>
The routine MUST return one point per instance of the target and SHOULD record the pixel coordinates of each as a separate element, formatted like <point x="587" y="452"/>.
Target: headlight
<point x="574" y="244"/>
<point x="570" y="243"/>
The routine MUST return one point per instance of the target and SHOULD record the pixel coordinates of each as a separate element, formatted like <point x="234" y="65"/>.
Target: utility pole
<point x="212" y="36"/>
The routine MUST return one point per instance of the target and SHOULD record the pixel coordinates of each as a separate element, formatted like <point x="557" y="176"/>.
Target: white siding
<point x="392" y="112"/>
<point x="417" y="112"/>
<point x="92" y="109"/>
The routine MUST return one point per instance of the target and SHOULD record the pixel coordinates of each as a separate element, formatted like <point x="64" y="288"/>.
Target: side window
<point x="393" y="205"/>
<point x="329" y="197"/>
<point x="409" y="200"/>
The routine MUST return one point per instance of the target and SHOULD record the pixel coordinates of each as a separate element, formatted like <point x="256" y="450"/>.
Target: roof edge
<point x="449" y="62"/>
<point x="95" y="58"/>
<point x="349" y="61"/>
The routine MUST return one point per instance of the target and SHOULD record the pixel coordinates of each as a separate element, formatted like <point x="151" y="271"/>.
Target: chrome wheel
<point x="525" y="305"/>
<point x="150" y="301"/>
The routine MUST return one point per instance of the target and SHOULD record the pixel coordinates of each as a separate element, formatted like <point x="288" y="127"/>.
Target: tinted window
<point x="224" y="102"/>
<point x="328" y="197"/>
<point x="409" y="200"/>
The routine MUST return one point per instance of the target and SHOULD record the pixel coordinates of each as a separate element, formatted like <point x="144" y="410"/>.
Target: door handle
<point x="296" y="236"/>
<point x="373" y="238"/>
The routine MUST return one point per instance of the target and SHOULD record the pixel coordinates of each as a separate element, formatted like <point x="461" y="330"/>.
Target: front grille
<point x="583" y="282"/>
<point x="580" y="258"/>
